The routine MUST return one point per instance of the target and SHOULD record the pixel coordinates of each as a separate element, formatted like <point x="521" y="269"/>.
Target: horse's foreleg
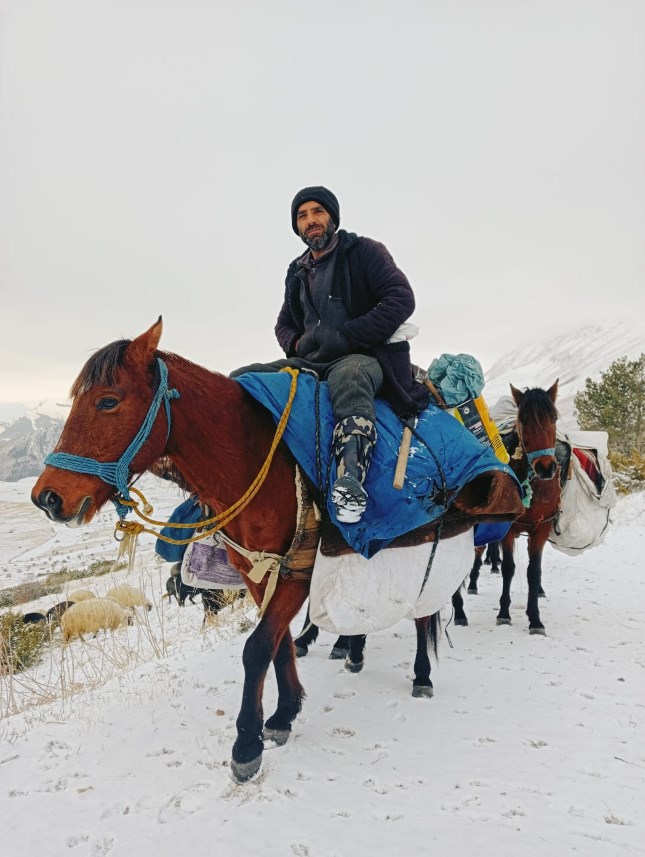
<point x="508" y="570"/>
<point x="474" y="572"/>
<point x="260" y="649"/>
<point x="422" y="685"/>
<point x="355" y="654"/>
<point x="290" y="693"/>
<point x="537" y="540"/>
<point x="458" y="607"/>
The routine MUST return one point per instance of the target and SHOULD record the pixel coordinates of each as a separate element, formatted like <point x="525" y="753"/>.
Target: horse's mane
<point x="101" y="367"/>
<point x="536" y="405"/>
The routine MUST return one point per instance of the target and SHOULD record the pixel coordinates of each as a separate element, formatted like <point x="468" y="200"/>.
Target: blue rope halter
<point x="117" y="473"/>
<point x="538" y="452"/>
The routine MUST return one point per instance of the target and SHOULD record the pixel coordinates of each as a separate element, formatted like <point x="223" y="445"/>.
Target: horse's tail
<point x="434" y="631"/>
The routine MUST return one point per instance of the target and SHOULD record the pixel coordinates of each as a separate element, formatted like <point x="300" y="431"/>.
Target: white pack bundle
<point x="587" y="497"/>
<point x="353" y="595"/>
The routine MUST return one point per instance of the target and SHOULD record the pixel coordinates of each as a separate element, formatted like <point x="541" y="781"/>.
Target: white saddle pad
<point x="353" y="595"/>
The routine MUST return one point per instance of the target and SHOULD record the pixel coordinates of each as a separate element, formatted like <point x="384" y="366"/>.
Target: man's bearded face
<point x="315" y="225"/>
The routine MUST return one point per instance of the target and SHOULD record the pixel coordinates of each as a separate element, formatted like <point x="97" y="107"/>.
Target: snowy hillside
<point x="530" y="745"/>
<point x="572" y="357"/>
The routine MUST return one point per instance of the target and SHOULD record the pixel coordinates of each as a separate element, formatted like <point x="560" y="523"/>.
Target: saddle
<point x="491" y="498"/>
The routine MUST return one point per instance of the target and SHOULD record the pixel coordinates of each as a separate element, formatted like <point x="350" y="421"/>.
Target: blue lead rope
<point x="117" y="473"/>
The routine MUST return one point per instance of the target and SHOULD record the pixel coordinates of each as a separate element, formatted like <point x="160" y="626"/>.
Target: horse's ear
<point x="517" y="395"/>
<point x="142" y="349"/>
<point x="552" y="392"/>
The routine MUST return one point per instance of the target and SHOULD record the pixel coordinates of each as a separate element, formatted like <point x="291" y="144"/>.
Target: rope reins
<point x="216" y="522"/>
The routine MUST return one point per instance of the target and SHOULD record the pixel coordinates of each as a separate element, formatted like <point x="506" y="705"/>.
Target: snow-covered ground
<point x="531" y="744"/>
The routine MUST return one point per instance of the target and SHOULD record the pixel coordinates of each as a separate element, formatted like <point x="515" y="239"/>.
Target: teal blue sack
<point x="458" y="377"/>
<point x="188" y="512"/>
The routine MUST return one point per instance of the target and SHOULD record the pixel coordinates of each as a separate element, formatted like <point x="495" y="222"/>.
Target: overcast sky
<point x="149" y="151"/>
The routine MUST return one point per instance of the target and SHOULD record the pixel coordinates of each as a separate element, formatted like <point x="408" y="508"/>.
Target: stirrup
<point x="349" y="499"/>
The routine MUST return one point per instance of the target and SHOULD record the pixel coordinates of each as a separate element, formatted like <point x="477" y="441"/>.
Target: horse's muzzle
<point x="545" y="471"/>
<point x="52" y="505"/>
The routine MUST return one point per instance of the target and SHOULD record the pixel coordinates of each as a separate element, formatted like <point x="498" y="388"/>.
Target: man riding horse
<point x="345" y="300"/>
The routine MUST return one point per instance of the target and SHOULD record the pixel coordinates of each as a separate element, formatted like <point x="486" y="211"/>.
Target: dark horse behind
<point x="532" y="445"/>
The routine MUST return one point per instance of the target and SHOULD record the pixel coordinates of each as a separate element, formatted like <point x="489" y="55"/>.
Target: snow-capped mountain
<point x="25" y="442"/>
<point x="572" y="357"/>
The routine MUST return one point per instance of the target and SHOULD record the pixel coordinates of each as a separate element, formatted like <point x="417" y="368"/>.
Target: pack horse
<point x="133" y="405"/>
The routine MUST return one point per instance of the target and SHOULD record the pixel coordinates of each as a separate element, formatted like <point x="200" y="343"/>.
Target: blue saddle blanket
<point x="446" y="458"/>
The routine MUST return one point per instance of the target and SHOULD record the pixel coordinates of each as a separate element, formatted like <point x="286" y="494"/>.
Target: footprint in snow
<point x="185" y="803"/>
<point x="163" y="752"/>
<point x="342" y="732"/>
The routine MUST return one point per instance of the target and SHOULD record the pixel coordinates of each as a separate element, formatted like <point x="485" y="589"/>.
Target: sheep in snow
<point x="128" y="596"/>
<point x="80" y="595"/>
<point x="91" y="616"/>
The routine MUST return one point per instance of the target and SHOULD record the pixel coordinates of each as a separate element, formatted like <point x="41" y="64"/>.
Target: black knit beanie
<point x="318" y="194"/>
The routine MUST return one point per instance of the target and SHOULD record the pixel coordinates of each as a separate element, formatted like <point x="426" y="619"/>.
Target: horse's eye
<point x="107" y="404"/>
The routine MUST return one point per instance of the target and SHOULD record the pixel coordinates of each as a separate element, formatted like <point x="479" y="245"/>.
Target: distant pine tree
<point x="616" y="404"/>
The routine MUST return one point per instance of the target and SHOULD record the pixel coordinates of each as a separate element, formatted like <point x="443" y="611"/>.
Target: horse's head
<point x="536" y="418"/>
<point x="112" y="399"/>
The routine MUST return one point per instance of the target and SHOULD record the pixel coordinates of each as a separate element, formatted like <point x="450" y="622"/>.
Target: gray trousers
<point x="353" y="381"/>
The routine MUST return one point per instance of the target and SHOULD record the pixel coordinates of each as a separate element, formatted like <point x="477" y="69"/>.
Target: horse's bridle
<point x="531" y="456"/>
<point x="117" y="473"/>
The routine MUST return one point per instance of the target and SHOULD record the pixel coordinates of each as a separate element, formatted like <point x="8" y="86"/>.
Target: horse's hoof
<point x="501" y="621"/>
<point x="278" y="736"/>
<point x="420" y="691"/>
<point x="301" y="651"/>
<point x="352" y="667"/>
<point x="541" y="594"/>
<point x="541" y="631"/>
<point x="244" y="772"/>
<point x="472" y="591"/>
<point x="337" y="654"/>
<point x="461" y="620"/>
<point x="494" y="571"/>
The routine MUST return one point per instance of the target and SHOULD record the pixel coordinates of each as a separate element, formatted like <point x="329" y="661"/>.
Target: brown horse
<point x="218" y="440"/>
<point x="532" y="447"/>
